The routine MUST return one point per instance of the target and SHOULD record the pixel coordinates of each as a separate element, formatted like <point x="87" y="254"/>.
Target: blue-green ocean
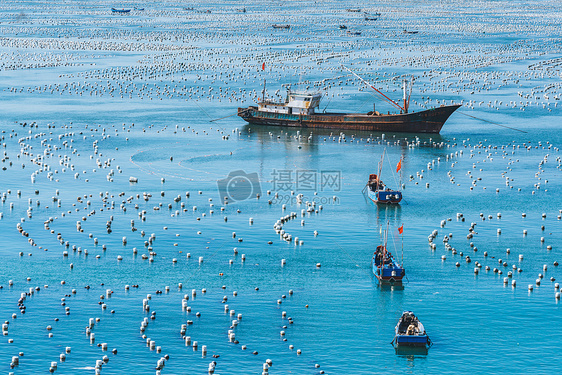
<point x="90" y="99"/>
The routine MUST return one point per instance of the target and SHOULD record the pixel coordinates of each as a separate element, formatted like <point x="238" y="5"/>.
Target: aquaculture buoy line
<point x="92" y="239"/>
<point x="488" y="259"/>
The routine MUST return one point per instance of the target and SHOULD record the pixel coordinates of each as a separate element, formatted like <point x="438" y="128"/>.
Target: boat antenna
<point x="380" y="166"/>
<point x="376" y="90"/>
<point x="402" y="233"/>
<point x="385" y="240"/>
<point x="405" y="99"/>
<point x="263" y="93"/>
<point x="407" y="93"/>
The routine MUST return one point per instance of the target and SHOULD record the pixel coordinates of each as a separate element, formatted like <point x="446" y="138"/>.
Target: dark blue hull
<point x="410" y="332"/>
<point x="390" y="273"/>
<point x="385" y="196"/>
<point x="405" y="340"/>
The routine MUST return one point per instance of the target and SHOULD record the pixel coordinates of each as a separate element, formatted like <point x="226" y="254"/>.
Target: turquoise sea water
<point x="342" y="319"/>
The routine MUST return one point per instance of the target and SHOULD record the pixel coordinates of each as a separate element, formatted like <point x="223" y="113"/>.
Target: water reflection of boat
<point x="411" y="351"/>
<point x="391" y="287"/>
<point x="410" y="332"/>
<point x="330" y="135"/>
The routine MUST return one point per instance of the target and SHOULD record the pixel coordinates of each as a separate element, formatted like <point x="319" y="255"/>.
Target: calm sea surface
<point x="112" y="97"/>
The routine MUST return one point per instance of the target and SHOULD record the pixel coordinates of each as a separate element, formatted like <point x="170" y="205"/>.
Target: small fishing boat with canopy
<point x="410" y="332"/>
<point x="385" y="267"/>
<point x="378" y="192"/>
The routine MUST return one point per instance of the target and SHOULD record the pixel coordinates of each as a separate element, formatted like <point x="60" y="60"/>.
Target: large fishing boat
<point x="300" y="110"/>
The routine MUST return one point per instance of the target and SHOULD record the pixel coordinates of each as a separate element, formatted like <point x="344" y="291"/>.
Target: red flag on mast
<point x="399" y="165"/>
<point x="401" y="229"/>
<point x="263" y="66"/>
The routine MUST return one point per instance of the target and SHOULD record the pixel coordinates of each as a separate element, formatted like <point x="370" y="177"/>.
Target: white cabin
<point x="295" y="104"/>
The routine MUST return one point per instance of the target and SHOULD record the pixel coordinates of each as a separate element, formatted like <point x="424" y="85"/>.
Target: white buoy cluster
<point x="482" y="155"/>
<point x="311" y="208"/>
<point x="485" y="259"/>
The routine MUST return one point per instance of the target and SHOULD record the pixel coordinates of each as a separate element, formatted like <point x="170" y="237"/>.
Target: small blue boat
<point x="377" y="190"/>
<point x="385" y="268"/>
<point x="114" y="10"/>
<point x="410" y="332"/>
<point x="379" y="193"/>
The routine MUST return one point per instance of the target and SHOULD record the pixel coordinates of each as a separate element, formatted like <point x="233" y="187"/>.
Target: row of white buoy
<point x="448" y="247"/>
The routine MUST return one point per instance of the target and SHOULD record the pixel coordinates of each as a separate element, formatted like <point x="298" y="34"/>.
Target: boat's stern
<point x="390" y="274"/>
<point x="412" y="340"/>
<point x="388" y="196"/>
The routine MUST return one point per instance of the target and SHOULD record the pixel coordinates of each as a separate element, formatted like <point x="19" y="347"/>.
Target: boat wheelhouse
<point x="296" y="104"/>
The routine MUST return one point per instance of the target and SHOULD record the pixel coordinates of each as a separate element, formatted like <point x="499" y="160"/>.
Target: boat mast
<point x="402" y="265"/>
<point x="263" y="94"/>
<point x="405" y="100"/>
<point x="410" y="93"/>
<point x="380" y="167"/>
<point x="385" y="242"/>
